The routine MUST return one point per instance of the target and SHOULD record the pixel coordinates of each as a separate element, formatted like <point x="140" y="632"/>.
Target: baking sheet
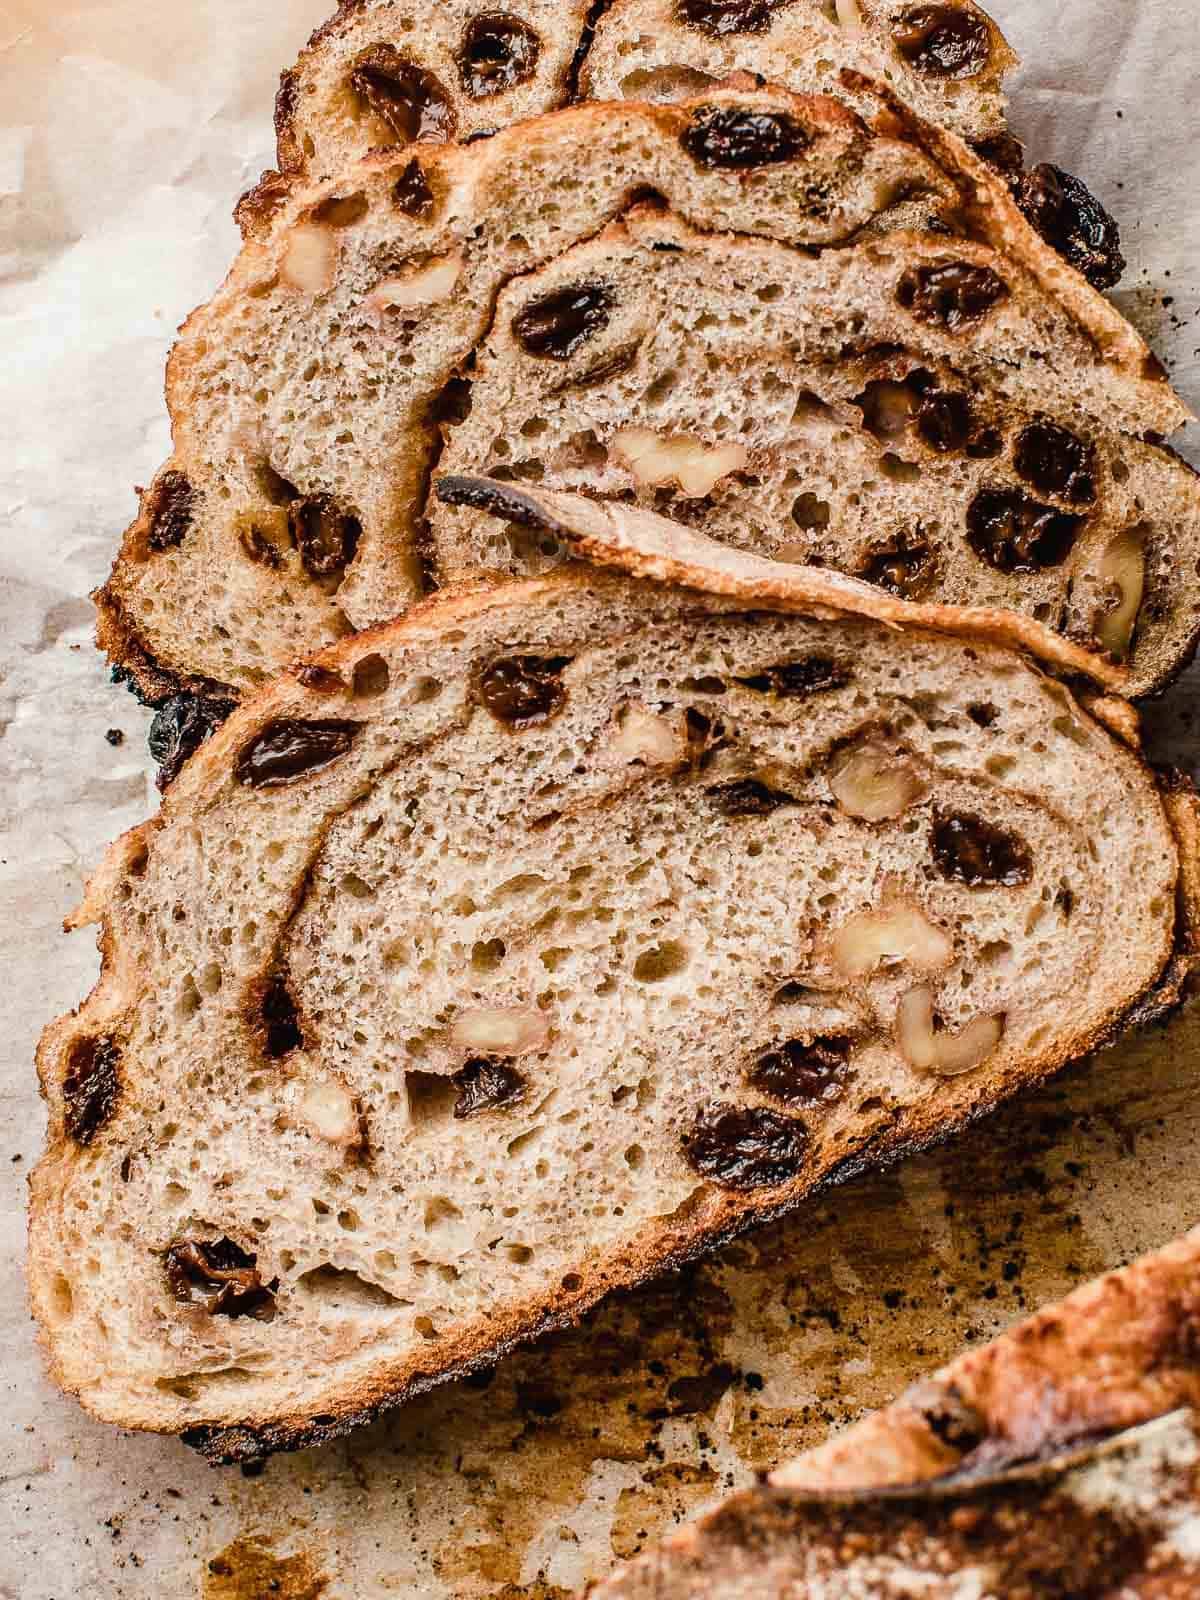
<point x="126" y="130"/>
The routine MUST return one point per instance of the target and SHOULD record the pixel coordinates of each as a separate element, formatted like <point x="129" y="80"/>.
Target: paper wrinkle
<point x="128" y="128"/>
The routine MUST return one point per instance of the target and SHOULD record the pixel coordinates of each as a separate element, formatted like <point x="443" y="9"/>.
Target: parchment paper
<point x="127" y="128"/>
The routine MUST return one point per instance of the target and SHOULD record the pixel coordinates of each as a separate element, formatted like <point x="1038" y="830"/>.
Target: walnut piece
<point x="930" y="1049"/>
<point x="656" y="459"/>
<point x="646" y="736"/>
<point x="500" y="1031"/>
<point x="421" y="286"/>
<point x="327" y="1109"/>
<point x="898" y="935"/>
<point x="1122" y="572"/>
<point x="876" y="784"/>
<point x="310" y="261"/>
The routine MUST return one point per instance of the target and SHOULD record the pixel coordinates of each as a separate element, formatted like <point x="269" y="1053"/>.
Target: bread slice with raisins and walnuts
<point x="538" y="941"/>
<point x="1057" y="1461"/>
<point x="395" y="74"/>
<point x="309" y="397"/>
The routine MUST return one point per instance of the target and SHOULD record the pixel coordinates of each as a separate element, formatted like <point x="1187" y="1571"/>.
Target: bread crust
<point x="720" y="1217"/>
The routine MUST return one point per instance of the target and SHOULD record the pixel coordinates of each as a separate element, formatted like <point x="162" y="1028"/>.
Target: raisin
<point x="953" y="294"/>
<point x="90" y="1087"/>
<point x="196" y="1268"/>
<point x="745" y="1147"/>
<point x="260" y="549"/>
<point x="1013" y="533"/>
<point x="182" y="723"/>
<point x="969" y="850"/>
<point x="748" y="797"/>
<point x="556" y="324"/>
<point x="983" y="713"/>
<point x="487" y="1086"/>
<point x="796" y="679"/>
<point x="281" y="1023"/>
<point x="173" y="504"/>
<point x="286" y="750"/>
<point x="409" y="100"/>
<point x="733" y="139"/>
<point x="498" y="52"/>
<point x="943" y="41"/>
<point x="799" y="1074"/>
<point x="1068" y="216"/>
<point x="721" y="17"/>
<point x="524" y="689"/>
<point x="985" y="445"/>
<point x="905" y="566"/>
<point x="412" y="193"/>
<point x="944" y="420"/>
<point x="325" y="535"/>
<point x="1056" y="461"/>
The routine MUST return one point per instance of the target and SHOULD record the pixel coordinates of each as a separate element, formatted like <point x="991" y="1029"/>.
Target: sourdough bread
<point x="308" y="396"/>
<point x="392" y="73"/>
<point x="1058" y="1461"/>
<point x="542" y="939"/>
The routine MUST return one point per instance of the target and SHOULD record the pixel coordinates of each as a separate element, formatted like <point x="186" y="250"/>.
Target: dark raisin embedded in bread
<point x="1068" y="216"/>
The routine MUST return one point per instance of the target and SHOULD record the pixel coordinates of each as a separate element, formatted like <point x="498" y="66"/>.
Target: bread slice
<point x="307" y="396"/>
<point x="540" y="940"/>
<point x="947" y="61"/>
<point x="1058" y="1461"/>
<point x="784" y="404"/>
<point x="392" y="73"/>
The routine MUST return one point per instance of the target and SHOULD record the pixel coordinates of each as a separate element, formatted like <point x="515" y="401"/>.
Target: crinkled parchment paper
<point x="127" y="127"/>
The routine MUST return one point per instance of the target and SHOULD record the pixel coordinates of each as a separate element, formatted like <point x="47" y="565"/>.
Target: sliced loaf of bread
<point x="526" y="946"/>
<point x="308" y="396"/>
<point x="1055" y="1463"/>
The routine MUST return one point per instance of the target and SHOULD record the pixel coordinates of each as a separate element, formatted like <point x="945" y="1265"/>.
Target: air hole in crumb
<point x="341" y="1288"/>
<point x="487" y="954"/>
<point x="431" y="1098"/>
<point x="371" y="677"/>
<point x="660" y="962"/>
<point x="62" y="1301"/>
<point x="524" y="1140"/>
<point x="572" y="1282"/>
<point x="808" y="511"/>
<point x="438" y="1210"/>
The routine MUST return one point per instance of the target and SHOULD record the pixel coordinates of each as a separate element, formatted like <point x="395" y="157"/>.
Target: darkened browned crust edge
<point x="222" y="1442"/>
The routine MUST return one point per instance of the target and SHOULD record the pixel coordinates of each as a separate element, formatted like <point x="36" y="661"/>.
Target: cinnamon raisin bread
<point x="1058" y="1461"/>
<point x="308" y="396"/>
<point x="535" y="942"/>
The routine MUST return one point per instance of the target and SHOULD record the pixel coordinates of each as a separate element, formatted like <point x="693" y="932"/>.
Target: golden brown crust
<point x="610" y="533"/>
<point x="1116" y="1353"/>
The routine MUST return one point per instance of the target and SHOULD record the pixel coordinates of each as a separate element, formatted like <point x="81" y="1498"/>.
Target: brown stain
<point x="671" y="1493"/>
<point x="249" y="1569"/>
